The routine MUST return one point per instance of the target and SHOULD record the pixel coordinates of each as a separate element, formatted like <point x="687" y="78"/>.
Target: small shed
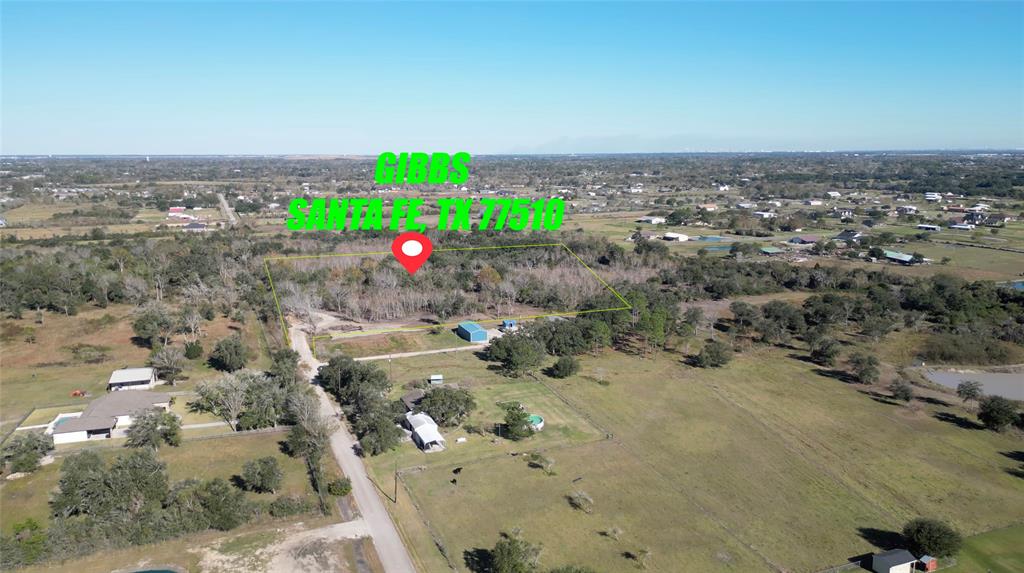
<point x="508" y="324"/>
<point x="413" y="398"/>
<point x="436" y="379"/>
<point x="675" y="237"/>
<point x="771" y="251"/>
<point x="929" y="563"/>
<point x="805" y="239"/>
<point x="472" y="332"/>
<point x="893" y="561"/>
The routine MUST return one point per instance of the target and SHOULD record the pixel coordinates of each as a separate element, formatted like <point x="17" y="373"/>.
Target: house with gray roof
<point x="106" y="417"/>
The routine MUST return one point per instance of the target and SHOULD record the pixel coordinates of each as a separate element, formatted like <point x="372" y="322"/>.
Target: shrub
<point x="24" y="450"/>
<point x="996" y="412"/>
<point x="713" y="355"/>
<point x="263" y="474"/>
<point x="193" y="349"/>
<point x="340" y="487"/>
<point x="288" y="505"/>
<point x="565" y="367"/>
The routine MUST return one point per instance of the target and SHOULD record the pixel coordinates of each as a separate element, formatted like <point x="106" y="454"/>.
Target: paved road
<point x="392" y="553"/>
<point x="421" y="352"/>
<point x="226" y="209"/>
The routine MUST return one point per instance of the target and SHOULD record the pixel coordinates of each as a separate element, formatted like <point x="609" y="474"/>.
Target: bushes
<point x="565" y="367"/>
<point x="964" y="349"/>
<point x="288" y="505"/>
<point x="340" y="487"/>
<point x="714" y="354"/>
<point x="193" y="349"/>
<point x="262" y="475"/>
<point x="24" y="450"/>
<point x="996" y="412"/>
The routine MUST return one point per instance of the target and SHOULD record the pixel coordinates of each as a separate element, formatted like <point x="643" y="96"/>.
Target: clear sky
<point x="336" y="78"/>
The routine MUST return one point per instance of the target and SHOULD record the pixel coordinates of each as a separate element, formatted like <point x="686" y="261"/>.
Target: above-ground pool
<point x="536" y="422"/>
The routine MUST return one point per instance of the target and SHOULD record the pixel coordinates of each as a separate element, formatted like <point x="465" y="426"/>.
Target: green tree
<point x="865" y="367"/>
<point x="225" y="507"/>
<point x="513" y="554"/>
<point x="517" y="353"/>
<point x="902" y="390"/>
<point x="154" y="324"/>
<point x="193" y="349"/>
<point x="565" y="367"/>
<point x="152" y="428"/>
<point x="378" y="434"/>
<point x="825" y="352"/>
<point x="996" y="412"/>
<point x="24" y="450"/>
<point x="262" y="475"/>
<point x="931" y="537"/>
<point x="715" y="354"/>
<point x="340" y="487"/>
<point x="229" y="354"/>
<point x="448" y="406"/>
<point x="517" y="422"/>
<point x="969" y="390"/>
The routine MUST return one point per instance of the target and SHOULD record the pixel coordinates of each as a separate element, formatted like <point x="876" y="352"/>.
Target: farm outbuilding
<point x="472" y="332"/>
<point x="893" y="561"/>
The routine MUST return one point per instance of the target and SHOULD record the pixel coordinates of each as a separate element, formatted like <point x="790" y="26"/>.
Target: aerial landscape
<point x="309" y="328"/>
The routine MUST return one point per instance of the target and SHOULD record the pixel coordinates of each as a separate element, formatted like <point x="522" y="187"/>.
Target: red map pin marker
<point x="412" y="250"/>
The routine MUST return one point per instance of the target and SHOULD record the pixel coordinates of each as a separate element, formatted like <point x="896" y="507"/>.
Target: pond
<point x="1008" y="385"/>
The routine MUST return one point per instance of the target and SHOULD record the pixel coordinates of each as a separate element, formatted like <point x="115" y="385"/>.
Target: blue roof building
<point x="471" y="331"/>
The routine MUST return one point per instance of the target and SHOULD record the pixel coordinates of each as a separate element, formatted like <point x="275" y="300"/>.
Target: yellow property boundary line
<point x="284" y="325"/>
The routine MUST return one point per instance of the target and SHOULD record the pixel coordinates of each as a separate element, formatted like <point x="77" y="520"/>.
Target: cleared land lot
<point x="999" y="551"/>
<point x="390" y="343"/>
<point x="764" y="463"/>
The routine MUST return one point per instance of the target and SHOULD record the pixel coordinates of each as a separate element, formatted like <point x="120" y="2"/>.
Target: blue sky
<point x="288" y="77"/>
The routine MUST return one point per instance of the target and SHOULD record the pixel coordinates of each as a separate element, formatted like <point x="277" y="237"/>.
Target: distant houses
<point x="651" y="220"/>
<point x="849" y="236"/>
<point x="805" y="239"/>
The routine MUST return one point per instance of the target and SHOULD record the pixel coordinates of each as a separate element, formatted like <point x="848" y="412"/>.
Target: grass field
<point x="43" y="373"/>
<point x="1000" y="551"/>
<point x="390" y="343"/>
<point x="765" y="463"/>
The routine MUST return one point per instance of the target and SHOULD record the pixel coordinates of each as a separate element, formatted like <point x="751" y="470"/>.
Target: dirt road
<point x="392" y="553"/>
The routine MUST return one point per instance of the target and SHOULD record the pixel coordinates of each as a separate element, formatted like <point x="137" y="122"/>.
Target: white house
<point x="424" y="432"/>
<point x="105" y="417"/>
<point x="907" y="209"/>
<point x="132" y="379"/>
<point x="764" y="214"/>
<point x="834" y="194"/>
<point x="651" y="220"/>
<point x="675" y="237"/>
<point x="813" y="202"/>
<point x="894" y="561"/>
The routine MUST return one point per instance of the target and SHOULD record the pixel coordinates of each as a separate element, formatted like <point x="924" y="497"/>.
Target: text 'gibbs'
<point x="418" y="168"/>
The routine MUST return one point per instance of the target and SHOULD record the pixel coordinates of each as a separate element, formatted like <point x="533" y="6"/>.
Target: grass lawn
<point x="1000" y="551"/>
<point x="38" y="212"/>
<point x="763" y="464"/>
<point x="391" y="343"/>
<point x="204" y="459"/>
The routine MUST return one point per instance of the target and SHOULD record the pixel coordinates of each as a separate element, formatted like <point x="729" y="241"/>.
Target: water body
<point x="1007" y="385"/>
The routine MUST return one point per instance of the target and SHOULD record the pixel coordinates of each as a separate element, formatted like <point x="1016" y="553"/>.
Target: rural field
<point x="765" y="463"/>
<point x="389" y="343"/>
